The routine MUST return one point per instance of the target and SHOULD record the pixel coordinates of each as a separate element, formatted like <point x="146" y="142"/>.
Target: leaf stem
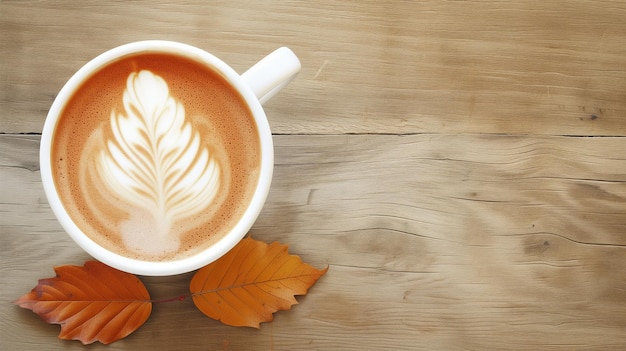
<point x="170" y="299"/>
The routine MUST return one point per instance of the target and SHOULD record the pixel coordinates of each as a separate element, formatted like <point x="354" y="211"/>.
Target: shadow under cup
<point x="156" y="158"/>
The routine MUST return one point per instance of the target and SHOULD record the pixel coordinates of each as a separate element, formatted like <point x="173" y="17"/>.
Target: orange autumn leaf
<point x="251" y="282"/>
<point x="91" y="303"/>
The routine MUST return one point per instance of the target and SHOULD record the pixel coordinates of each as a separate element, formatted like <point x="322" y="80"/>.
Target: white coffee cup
<point x="256" y="86"/>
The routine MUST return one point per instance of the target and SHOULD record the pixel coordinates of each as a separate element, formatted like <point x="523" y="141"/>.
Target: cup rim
<point x="215" y="250"/>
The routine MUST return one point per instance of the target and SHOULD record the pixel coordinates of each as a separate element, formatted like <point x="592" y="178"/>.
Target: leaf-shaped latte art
<point x="156" y="162"/>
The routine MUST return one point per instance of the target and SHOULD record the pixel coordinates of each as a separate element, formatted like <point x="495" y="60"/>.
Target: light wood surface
<point x="458" y="165"/>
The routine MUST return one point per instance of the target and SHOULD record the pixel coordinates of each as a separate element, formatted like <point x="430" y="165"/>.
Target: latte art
<point x="156" y="157"/>
<point x="156" y="164"/>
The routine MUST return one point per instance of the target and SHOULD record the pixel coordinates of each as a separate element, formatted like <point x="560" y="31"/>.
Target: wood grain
<point x="514" y="242"/>
<point x="541" y="67"/>
<point x="458" y="166"/>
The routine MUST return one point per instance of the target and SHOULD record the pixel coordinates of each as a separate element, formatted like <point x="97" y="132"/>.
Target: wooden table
<point x="458" y="165"/>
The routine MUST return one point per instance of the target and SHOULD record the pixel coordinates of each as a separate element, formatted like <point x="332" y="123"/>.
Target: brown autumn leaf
<point x="91" y="303"/>
<point x="251" y="282"/>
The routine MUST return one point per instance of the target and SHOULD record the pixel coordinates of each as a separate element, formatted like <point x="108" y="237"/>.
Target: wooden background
<point x="458" y="165"/>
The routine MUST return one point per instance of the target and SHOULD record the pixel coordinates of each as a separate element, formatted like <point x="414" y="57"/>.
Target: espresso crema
<point x="155" y="157"/>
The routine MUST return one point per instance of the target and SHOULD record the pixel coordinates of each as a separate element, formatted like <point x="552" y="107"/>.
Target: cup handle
<point x="268" y="76"/>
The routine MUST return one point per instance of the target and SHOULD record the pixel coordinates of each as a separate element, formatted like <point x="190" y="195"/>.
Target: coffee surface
<point x="155" y="157"/>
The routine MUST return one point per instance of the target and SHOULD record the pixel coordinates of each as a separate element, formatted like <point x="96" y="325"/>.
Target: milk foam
<point x="156" y="164"/>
